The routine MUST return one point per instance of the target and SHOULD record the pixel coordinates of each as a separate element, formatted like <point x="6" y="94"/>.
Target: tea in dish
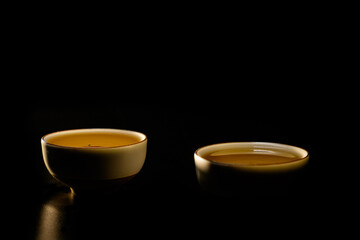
<point x="251" y="157"/>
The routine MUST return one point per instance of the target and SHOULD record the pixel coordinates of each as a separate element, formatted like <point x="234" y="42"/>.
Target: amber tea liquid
<point x="92" y="139"/>
<point x="251" y="157"/>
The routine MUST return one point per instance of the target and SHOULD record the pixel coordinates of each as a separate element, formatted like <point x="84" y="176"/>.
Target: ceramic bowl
<point x="94" y="160"/>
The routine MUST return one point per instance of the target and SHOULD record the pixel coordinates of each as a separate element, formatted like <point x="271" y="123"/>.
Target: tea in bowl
<point x="94" y="160"/>
<point x="248" y="169"/>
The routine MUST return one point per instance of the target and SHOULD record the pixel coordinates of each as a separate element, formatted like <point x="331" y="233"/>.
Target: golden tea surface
<point x="93" y="140"/>
<point x="251" y="157"/>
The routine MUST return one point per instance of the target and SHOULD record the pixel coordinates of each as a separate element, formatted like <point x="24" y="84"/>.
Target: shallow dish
<point x="243" y="168"/>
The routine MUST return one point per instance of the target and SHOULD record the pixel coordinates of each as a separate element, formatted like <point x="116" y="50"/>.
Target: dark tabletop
<point x="164" y="199"/>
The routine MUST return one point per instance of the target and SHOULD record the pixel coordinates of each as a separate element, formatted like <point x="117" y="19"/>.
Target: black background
<point x="183" y="91"/>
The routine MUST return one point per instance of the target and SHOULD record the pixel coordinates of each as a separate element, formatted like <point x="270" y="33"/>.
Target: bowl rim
<point x="94" y="129"/>
<point x="252" y="165"/>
